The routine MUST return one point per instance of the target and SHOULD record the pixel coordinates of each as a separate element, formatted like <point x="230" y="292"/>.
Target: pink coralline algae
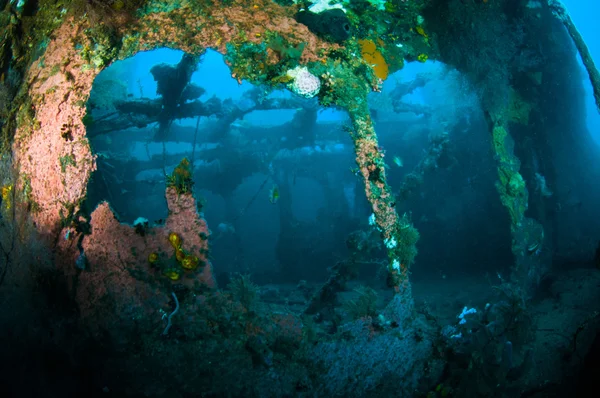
<point x="118" y="285"/>
<point x="56" y="133"/>
<point x="186" y="222"/>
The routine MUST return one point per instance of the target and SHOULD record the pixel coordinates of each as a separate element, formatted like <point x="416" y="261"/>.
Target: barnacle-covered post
<point x="369" y="158"/>
<point x="360" y="76"/>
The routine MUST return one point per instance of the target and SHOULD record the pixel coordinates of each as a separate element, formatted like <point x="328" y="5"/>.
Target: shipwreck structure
<point x="125" y="281"/>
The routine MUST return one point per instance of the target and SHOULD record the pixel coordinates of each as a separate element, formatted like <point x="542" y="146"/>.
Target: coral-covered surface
<point x="118" y="285"/>
<point x="184" y="221"/>
<point x="113" y="282"/>
<point x="370" y="161"/>
<point x="50" y="146"/>
<point x="216" y="26"/>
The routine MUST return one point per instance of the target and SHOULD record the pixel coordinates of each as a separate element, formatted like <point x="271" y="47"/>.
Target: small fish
<point x="534" y="248"/>
<point x="398" y="161"/>
<point x="274" y="194"/>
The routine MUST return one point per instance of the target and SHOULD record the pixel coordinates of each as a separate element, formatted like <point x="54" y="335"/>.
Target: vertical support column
<point x="398" y="233"/>
<point x="527" y="234"/>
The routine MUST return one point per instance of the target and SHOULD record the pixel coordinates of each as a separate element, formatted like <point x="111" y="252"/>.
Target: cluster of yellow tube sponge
<point x="187" y="261"/>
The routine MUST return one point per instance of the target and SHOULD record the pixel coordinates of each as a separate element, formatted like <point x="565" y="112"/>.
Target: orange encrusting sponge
<point x="374" y="57"/>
